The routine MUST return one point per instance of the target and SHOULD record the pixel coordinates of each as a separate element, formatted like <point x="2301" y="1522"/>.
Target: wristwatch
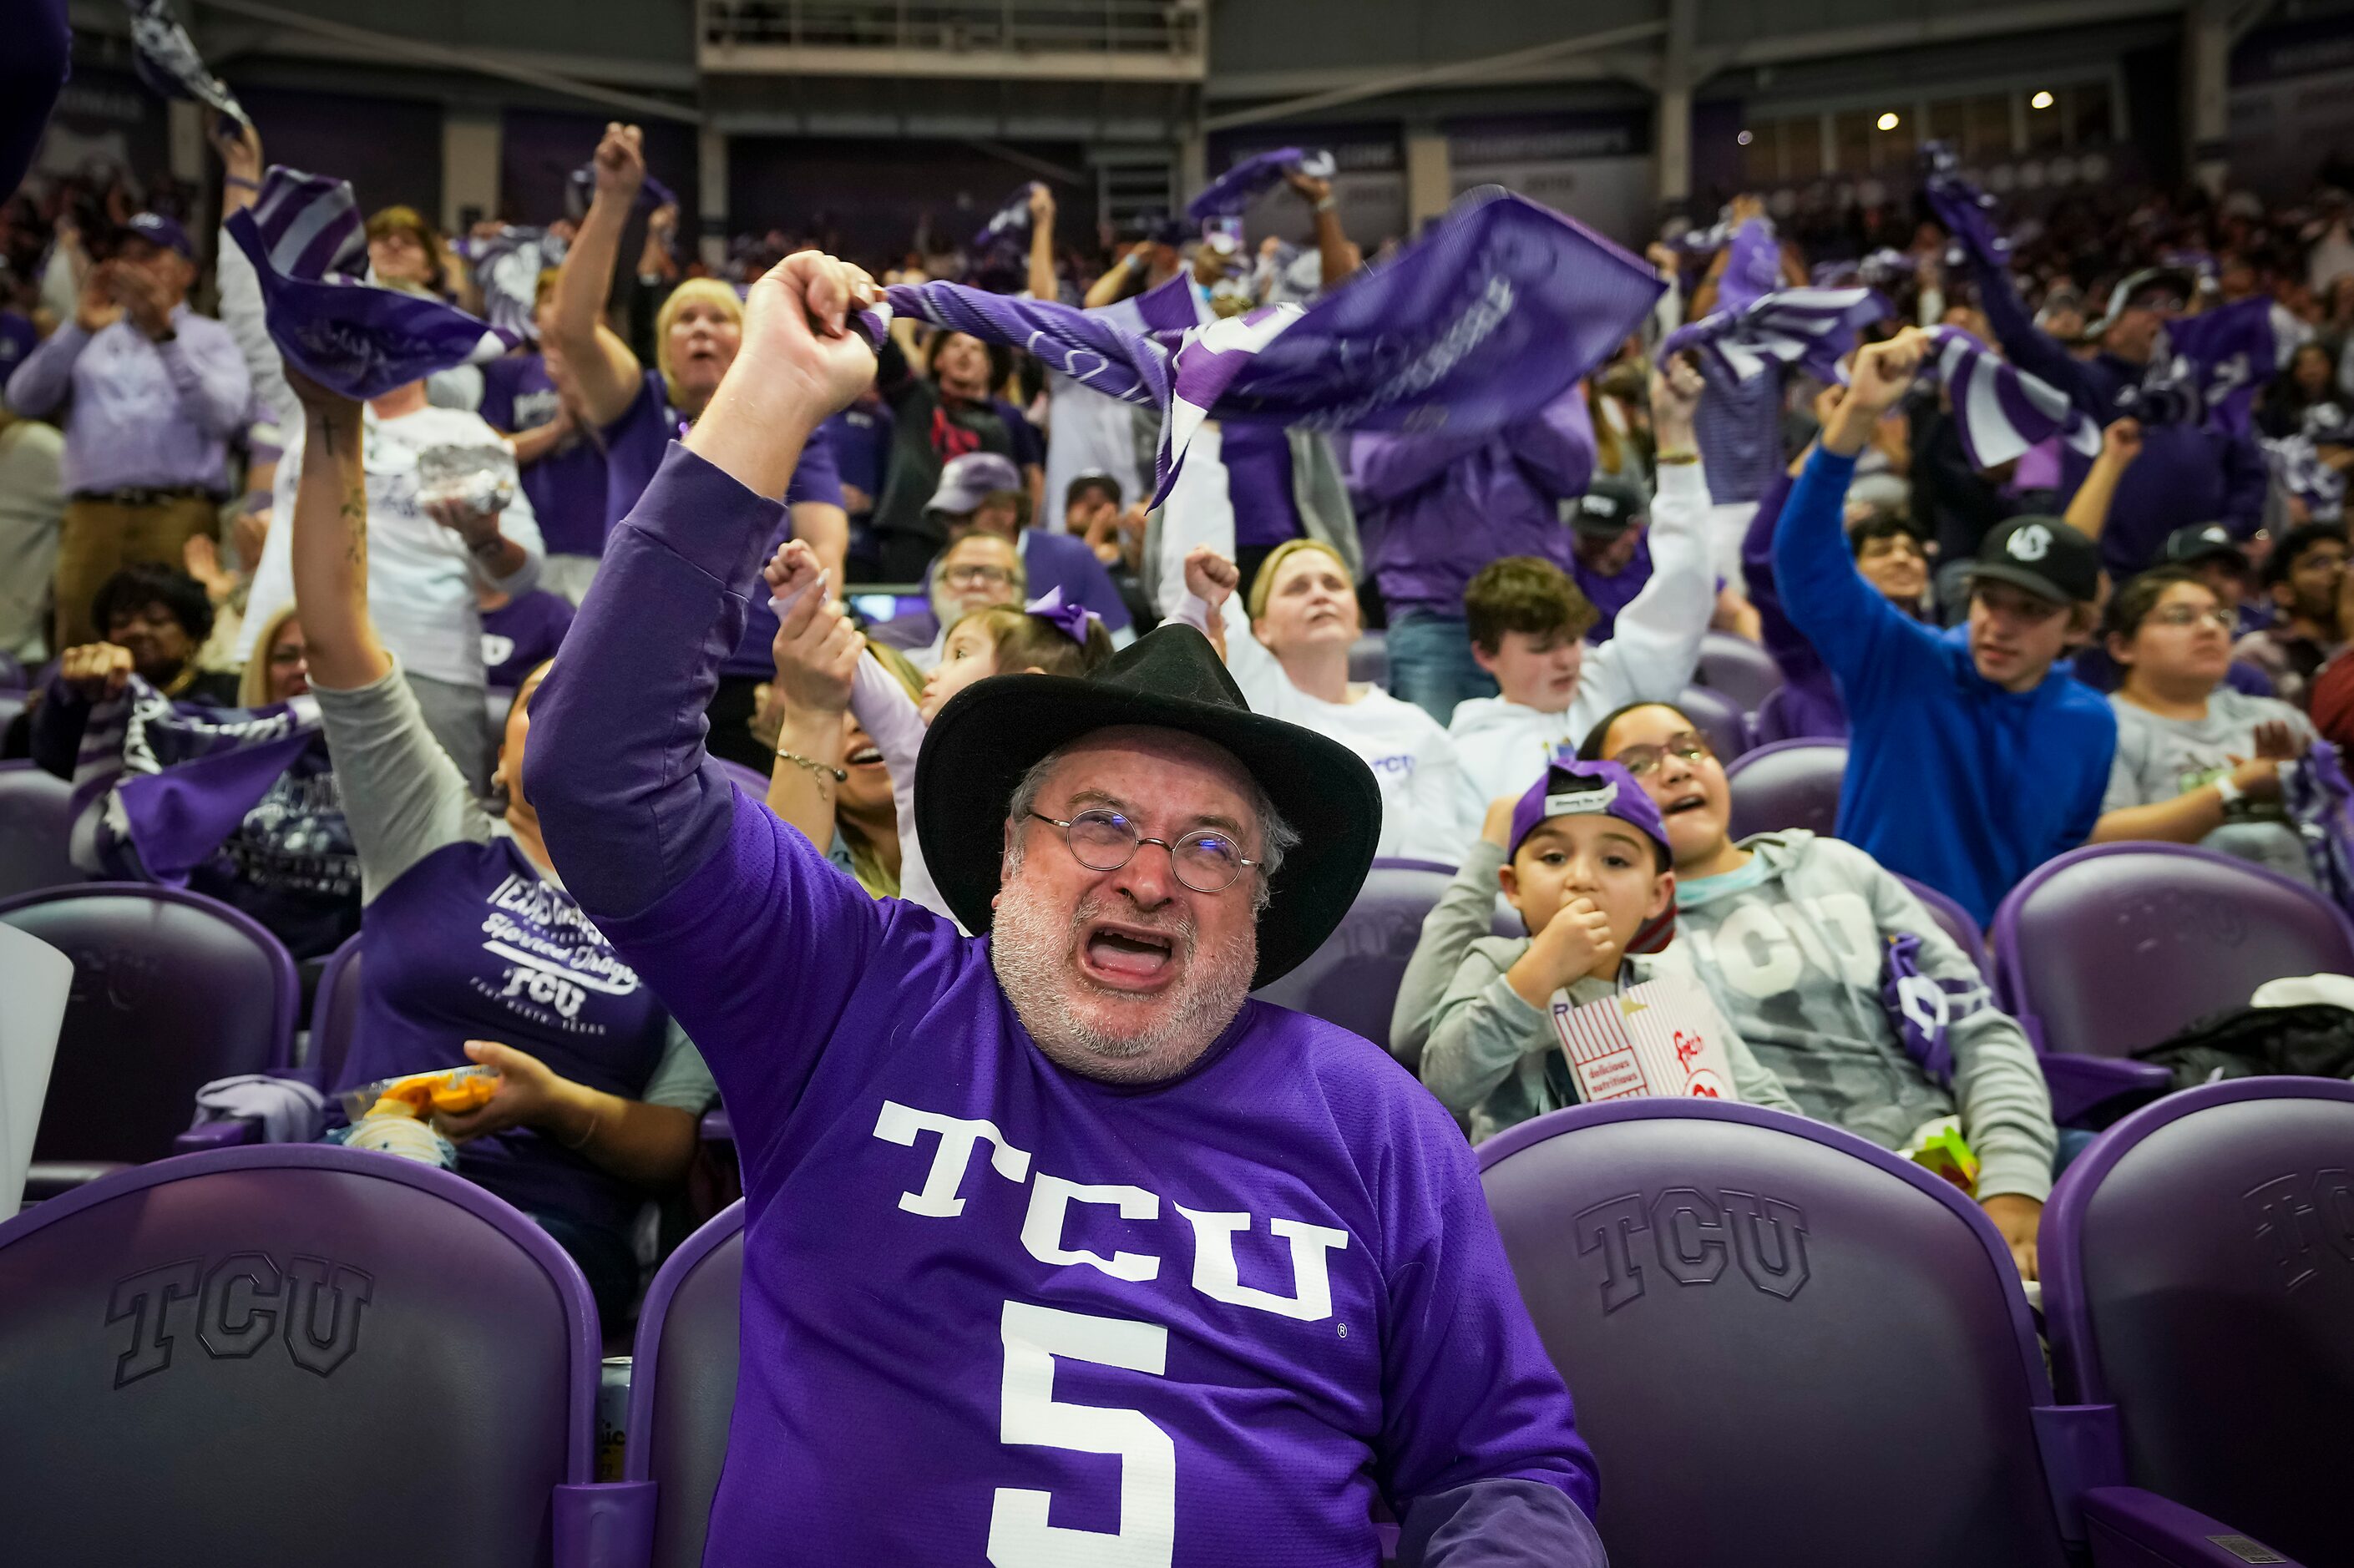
<point x="2229" y="787"/>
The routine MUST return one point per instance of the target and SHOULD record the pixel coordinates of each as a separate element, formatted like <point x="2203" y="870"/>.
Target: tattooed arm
<point x="330" y="553"/>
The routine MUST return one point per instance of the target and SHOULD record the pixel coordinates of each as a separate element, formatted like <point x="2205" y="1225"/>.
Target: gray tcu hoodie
<point x="1796" y="963"/>
<point x="1487" y="1055"/>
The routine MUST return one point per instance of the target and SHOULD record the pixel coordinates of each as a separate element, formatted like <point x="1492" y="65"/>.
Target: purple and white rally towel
<point x="1809" y="329"/>
<point x="2000" y="410"/>
<point x="2209" y="368"/>
<point x="1966" y="212"/>
<point x="1232" y="192"/>
<point x="166" y="61"/>
<point x="2296" y="466"/>
<point x="310" y="252"/>
<point x="1495" y="314"/>
<point x="159" y="785"/>
<point x="506" y="266"/>
<point x="1010" y="224"/>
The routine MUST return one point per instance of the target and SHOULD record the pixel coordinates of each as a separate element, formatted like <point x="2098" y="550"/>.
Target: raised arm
<point x="1655" y="645"/>
<point x="1114" y="282"/>
<point x="1043" y="285"/>
<point x="402" y="795"/>
<point x="241" y="291"/>
<point x="815" y="649"/>
<point x="609" y="374"/>
<point x="639" y="819"/>
<point x="1336" y="257"/>
<point x="2088" y="510"/>
<point x="2029" y="346"/>
<point x="1850" y="623"/>
<point x="330" y="545"/>
<point x="618" y="776"/>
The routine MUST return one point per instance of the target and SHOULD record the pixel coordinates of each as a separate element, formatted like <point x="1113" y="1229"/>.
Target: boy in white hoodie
<point x="1527" y="622"/>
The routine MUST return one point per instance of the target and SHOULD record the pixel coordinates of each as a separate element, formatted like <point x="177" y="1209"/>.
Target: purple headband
<point x="1072" y="621"/>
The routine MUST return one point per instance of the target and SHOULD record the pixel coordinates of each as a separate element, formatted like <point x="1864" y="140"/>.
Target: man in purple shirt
<point x="2188" y="471"/>
<point x="1058" y="1247"/>
<point x="157" y="391"/>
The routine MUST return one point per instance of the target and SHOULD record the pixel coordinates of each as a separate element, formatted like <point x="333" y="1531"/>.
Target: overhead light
<point x="2040" y="101"/>
<point x="1888" y="120"/>
<point x="1744" y="138"/>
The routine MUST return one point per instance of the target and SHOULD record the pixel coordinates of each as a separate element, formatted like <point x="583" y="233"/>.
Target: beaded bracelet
<point x="819" y="768"/>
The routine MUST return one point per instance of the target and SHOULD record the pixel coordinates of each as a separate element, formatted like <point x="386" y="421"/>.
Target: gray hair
<point x="1278" y="837"/>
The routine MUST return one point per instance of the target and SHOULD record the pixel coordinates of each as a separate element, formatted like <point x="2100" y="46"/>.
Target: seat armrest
<point x="607" y="1524"/>
<point x="2129" y="1528"/>
<point x="2081" y="1084"/>
<point x="55" y="1178"/>
<point x="230" y="1132"/>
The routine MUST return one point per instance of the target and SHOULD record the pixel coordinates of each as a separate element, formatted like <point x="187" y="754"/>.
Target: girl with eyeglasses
<point x="2197" y="761"/>
<point x="1792" y="933"/>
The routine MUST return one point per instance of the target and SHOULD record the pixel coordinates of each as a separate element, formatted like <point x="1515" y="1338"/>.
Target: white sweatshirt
<point x="1652" y="652"/>
<point x="1412" y="759"/>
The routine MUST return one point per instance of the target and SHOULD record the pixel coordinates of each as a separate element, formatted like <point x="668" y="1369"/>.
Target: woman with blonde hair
<point x="636" y="413"/>
<point x="1287" y="645"/>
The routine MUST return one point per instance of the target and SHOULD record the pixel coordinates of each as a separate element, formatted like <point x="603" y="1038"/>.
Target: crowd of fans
<point x="2136" y="638"/>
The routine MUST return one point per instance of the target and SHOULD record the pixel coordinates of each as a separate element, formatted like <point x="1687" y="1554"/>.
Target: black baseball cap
<point x="1609" y="508"/>
<point x="2043" y="555"/>
<point x="2203" y="542"/>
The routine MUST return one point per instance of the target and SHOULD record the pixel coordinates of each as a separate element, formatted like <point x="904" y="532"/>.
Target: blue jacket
<point x="1951" y="779"/>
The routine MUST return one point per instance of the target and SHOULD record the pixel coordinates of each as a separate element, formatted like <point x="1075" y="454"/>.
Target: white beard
<point x="1035" y="955"/>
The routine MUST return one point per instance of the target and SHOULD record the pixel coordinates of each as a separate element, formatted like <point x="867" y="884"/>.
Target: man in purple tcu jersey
<point x="1059" y="1249"/>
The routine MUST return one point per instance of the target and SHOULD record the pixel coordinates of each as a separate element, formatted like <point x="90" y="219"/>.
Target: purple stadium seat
<point x="36" y="815"/>
<point x="1353" y="980"/>
<point x="1792" y="1349"/>
<point x="1775" y="720"/>
<point x="12" y="673"/>
<point x="1720" y="718"/>
<point x="1738" y="668"/>
<point x="335" y="1013"/>
<point x="1789" y="784"/>
<point x="12" y="702"/>
<point x="683" y="1385"/>
<point x="1369" y="659"/>
<point x="171" y="990"/>
<point x="302" y="1354"/>
<point x="1955" y="919"/>
<point x="2198" y="1263"/>
<point x="2107" y="949"/>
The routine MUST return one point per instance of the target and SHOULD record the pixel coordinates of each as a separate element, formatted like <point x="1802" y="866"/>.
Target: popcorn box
<point x="1664" y="1036"/>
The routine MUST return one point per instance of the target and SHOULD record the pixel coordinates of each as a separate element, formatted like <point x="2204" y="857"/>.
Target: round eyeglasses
<point x="1207" y="860"/>
<point x="1637" y="760"/>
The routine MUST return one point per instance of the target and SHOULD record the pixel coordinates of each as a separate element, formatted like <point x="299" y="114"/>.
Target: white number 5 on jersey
<point x="1019" y="1535"/>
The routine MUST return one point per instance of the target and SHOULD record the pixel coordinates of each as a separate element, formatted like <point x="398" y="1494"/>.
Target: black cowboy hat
<point x="995" y="730"/>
